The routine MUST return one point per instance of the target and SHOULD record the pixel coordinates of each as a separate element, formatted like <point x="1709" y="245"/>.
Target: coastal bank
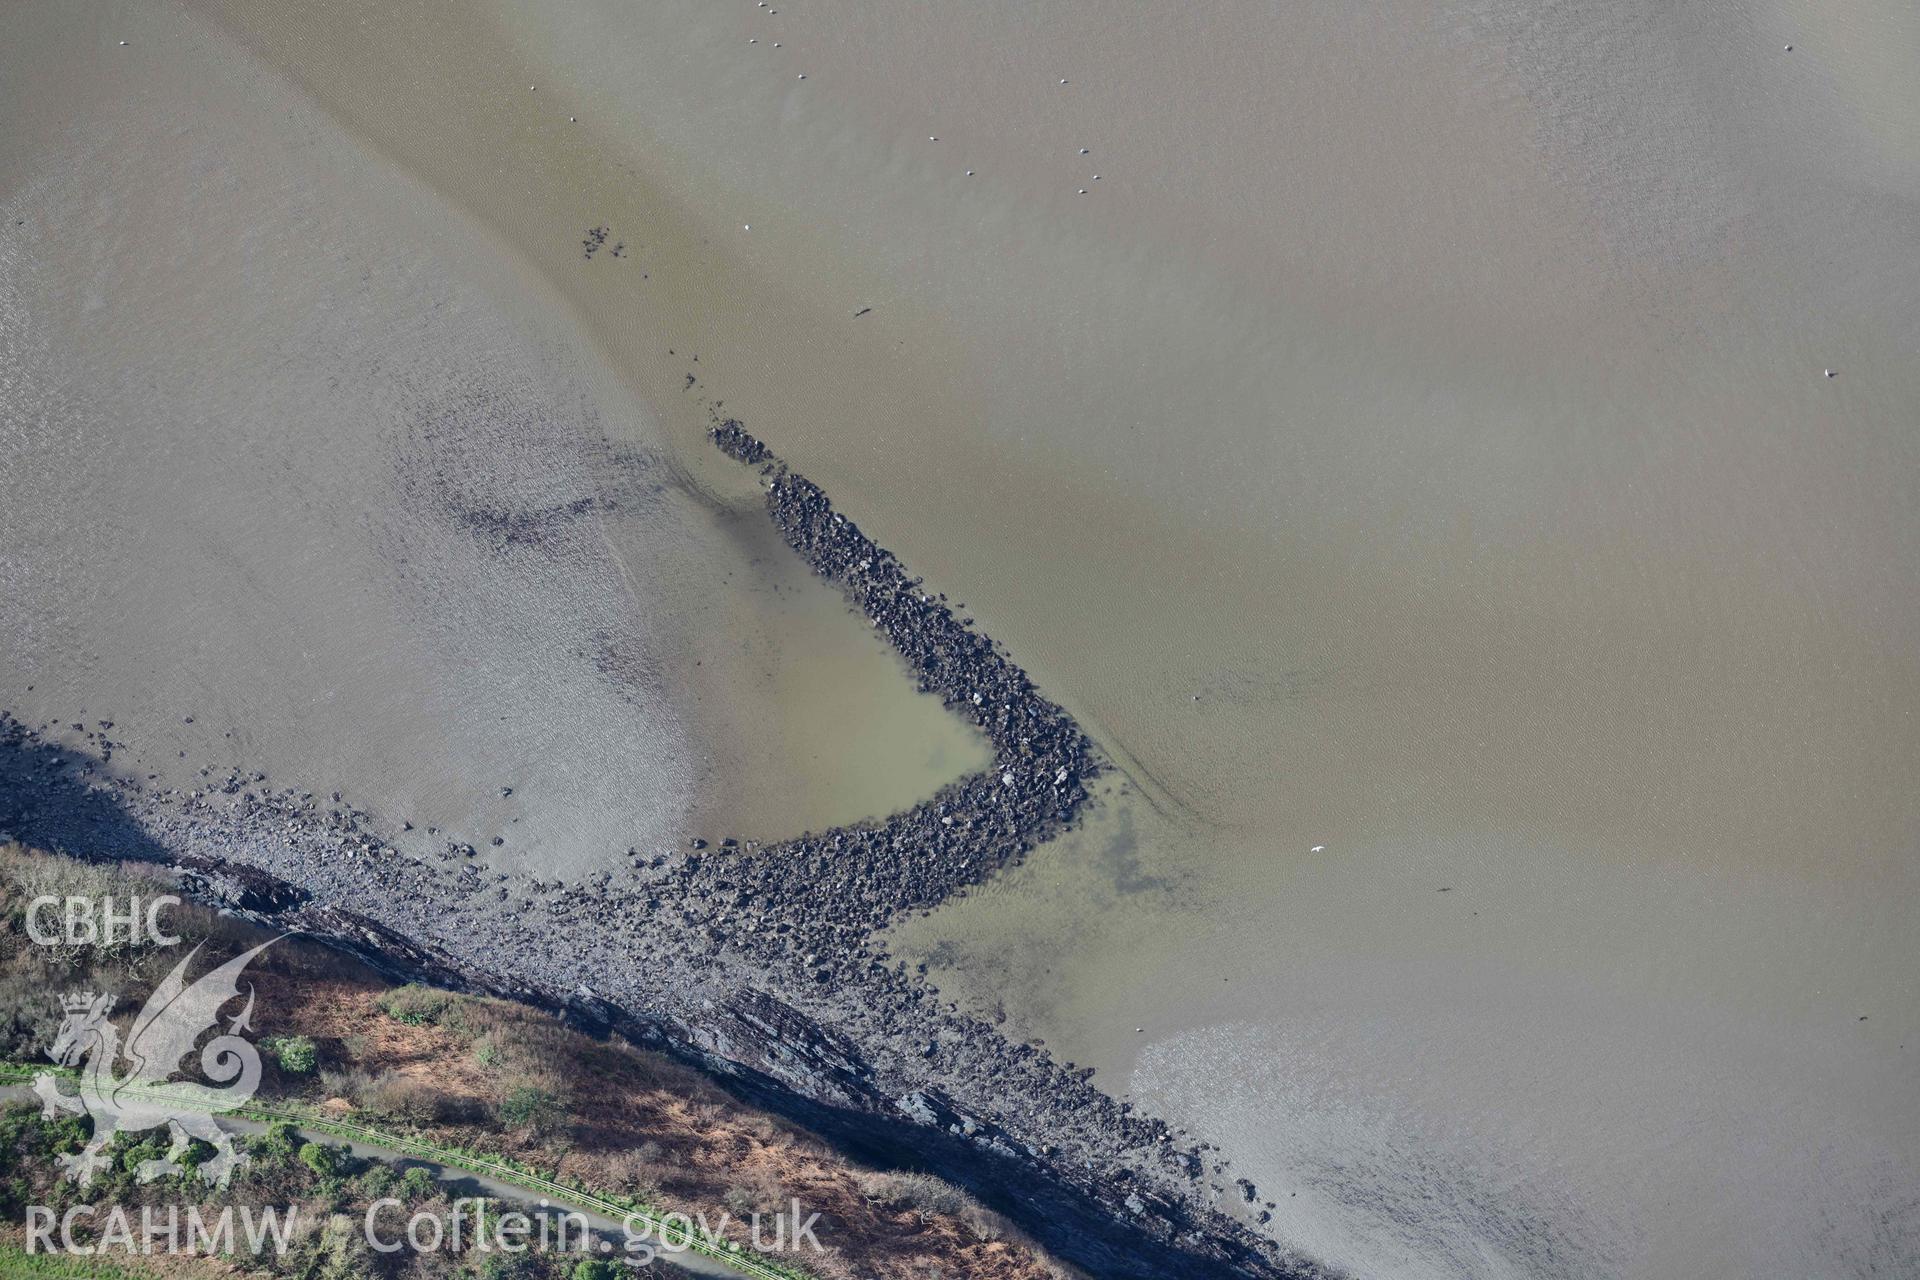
<point x="759" y="964"/>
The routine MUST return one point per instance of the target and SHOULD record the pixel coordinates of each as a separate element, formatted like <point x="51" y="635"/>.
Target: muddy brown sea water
<point x="1413" y="459"/>
<point x="306" y="471"/>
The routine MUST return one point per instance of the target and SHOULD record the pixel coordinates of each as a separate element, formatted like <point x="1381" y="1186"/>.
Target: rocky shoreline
<point x="760" y="964"/>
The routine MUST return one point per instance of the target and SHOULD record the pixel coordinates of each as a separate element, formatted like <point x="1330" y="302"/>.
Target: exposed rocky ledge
<point x="825" y="894"/>
<point x="759" y="964"/>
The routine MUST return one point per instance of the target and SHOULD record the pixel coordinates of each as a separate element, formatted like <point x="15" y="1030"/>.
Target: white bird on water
<point x="1319" y="848"/>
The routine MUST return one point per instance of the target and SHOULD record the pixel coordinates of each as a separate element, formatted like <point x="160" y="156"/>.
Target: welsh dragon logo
<point x="147" y="1096"/>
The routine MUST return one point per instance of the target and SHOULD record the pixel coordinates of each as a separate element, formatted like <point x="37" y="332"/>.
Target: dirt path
<point x="600" y="1217"/>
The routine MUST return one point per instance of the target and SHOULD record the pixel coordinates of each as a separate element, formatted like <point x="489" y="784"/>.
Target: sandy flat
<point x="1417" y="443"/>
<point x="307" y="472"/>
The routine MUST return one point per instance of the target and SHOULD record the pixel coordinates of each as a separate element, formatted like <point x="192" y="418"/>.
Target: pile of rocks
<point x="758" y="962"/>
<point x="824" y="893"/>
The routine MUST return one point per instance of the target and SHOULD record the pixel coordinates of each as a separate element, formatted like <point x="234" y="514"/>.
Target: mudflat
<point x="1455" y="462"/>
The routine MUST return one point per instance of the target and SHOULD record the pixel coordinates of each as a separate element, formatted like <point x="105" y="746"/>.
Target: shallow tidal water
<point x="1413" y="458"/>
<point x="306" y="472"/>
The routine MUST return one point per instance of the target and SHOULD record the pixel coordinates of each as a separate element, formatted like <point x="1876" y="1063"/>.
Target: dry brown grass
<point x="634" y="1122"/>
<point x="642" y="1125"/>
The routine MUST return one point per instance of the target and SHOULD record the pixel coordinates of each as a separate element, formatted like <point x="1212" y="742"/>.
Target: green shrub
<point x="320" y="1159"/>
<point x="295" y="1054"/>
<point x="377" y="1181"/>
<point x="16" y="1264"/>
<point x="530" y="1107"/>
<point x="508" y="1266"/>
<point x="132" y="1157"/>
<point x="415" y="1005"/>
<point x="277" y="1144"/>
<point x="418" y="1182"/>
